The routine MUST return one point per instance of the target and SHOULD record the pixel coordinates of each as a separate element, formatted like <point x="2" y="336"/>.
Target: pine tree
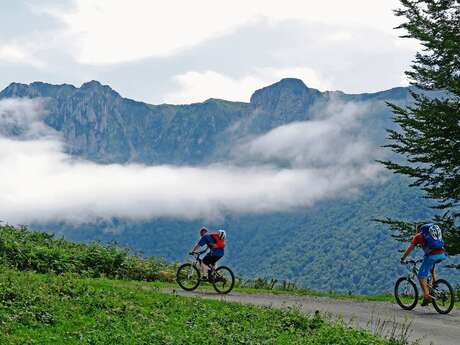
<point x="428" y="137"/>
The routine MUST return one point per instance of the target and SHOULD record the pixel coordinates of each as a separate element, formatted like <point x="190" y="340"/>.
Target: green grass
<point x="315" y="293"/>
<point x="298" y="292"/>
<point x="42" y="252"/>
<point x="65" y="309"/>
<point x="290" y="292"/>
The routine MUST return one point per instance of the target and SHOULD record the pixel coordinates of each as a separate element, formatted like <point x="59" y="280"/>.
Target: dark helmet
<point x="203" y="231"/>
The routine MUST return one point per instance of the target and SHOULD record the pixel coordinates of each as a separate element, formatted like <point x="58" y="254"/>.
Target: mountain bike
<point x="407" y="295"/>
<point x="189" y="276"/>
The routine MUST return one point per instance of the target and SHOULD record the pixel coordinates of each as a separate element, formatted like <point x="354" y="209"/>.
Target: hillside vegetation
<point x="331" y="246"/>
<point x="42" y="252"/>
<point x="63" y="305"/>
<point x="65" y="309"/>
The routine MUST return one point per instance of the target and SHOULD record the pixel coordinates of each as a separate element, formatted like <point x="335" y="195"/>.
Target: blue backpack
<point x="433" y="236"/>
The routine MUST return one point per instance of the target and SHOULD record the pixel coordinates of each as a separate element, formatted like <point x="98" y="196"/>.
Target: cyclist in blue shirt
<point x="216" y="250"/>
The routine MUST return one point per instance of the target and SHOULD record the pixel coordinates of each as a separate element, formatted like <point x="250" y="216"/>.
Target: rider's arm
<point x="409" y="250"/>
<point x="196" y="248"/>
<point x="202" y="242"/>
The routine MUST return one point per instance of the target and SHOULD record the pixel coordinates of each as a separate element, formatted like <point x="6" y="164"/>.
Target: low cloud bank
<point x="39" y="182"/>
<point x="333" y="138"/>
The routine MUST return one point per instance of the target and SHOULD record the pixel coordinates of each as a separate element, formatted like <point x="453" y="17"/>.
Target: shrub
<point x="41" y="252"/>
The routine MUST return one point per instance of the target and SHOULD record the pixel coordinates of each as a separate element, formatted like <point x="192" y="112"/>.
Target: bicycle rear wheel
<point x="444" y="296"/>
<point x="406" y="293"/>
<point x="188" y="277"/>
<point x="223" y="280"/>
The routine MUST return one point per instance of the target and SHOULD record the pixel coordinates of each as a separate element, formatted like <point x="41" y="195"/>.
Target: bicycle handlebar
<point x="414" y="262"/>
<point x="197" y="253"/>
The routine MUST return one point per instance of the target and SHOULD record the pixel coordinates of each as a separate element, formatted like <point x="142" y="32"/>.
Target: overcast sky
<point x="186" y="51"/>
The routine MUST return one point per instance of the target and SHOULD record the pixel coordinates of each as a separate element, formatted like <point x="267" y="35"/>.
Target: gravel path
<point x="424" y="323"/>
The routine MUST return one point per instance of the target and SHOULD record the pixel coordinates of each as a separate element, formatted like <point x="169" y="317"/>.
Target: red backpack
<point x="219" y="237"/>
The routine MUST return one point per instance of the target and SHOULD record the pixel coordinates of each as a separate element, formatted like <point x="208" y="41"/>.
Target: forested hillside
<point x="330" y="245"/>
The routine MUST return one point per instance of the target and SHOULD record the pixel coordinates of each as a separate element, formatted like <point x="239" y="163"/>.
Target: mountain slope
<point x="98" y="124"/>
<point x="331" y="246"/>
<point x="67" y="309"/>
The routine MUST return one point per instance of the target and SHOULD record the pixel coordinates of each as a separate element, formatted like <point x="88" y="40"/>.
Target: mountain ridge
<point x="98" y="124"/>
<point x="16" y="88"/>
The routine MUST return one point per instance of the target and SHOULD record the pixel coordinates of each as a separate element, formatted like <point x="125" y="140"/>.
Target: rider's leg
<point x="434" y="277"/>
<point x="207" y="261"/>
<point x="424" y="286"/>
<point x="436" y="260"/>
<point x="423" y="272"/>
<point x="204" y="269"/>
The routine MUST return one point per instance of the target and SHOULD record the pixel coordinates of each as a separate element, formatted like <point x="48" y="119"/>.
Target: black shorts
<point x="210" y="259"/>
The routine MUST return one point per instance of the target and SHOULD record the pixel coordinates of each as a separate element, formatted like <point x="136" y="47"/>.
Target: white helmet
<point x="222" y="234"/>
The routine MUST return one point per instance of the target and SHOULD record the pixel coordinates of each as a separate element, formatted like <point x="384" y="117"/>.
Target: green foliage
<point x="434" y="23"/>
<point x="305" y="246"/>
<point x="429" y="139"/>
<point x="65" y="309"/>
<point x="266" y="284"/>
<point x="428" y="136"/>
<point x="42" y="252"/>
<point x="331" y="246"/>
<point x="404" y="231"/>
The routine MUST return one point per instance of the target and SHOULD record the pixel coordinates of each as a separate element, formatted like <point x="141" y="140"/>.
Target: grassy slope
<point x="50" y="309"/>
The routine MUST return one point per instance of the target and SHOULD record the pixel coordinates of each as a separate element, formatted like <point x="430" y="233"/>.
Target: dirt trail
<point x="426" y="325"/>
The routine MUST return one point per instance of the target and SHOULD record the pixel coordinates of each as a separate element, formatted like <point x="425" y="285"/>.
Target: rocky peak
<point x="94" y="86"/>
<point x="289" y="95"/>
<point x="37" y="89"/>
<point x="14" y="90"/>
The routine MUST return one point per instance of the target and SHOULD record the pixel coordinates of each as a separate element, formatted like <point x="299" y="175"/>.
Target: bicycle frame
<point x="197" y="261"/>
<point x="222" y="277"/>
<point x="443" y="298"/>
<point x="413" y="271"/>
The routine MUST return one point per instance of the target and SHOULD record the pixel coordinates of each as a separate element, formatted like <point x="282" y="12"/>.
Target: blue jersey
<point x="207" y="240"/>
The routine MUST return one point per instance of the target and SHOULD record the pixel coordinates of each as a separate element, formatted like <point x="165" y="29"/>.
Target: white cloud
<point x="311" y="77"/>
<point x="149" y="50"/>
<point x="340" y="36"/>
<point x="23" y="117"/>
<point x="17" y="54"/>
<point x="41" y="183"/>
<point x="196" y="86"/>
<point x="112" y="31"/>
<point x="199" y="86"/>
<point x="332" y="138"/>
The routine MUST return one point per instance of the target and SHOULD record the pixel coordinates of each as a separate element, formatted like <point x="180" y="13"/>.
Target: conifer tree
<point x="428" y="137"/>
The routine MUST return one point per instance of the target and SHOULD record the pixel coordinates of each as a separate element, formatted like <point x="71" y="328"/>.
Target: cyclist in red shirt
<point x="429" y="238"/>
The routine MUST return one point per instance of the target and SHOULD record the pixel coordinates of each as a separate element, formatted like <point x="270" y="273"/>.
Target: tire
<point x="223" y="280"/>
<point x="188" y="277"/>
<point x="444" y="297"/>
<point x="406" y="293"/>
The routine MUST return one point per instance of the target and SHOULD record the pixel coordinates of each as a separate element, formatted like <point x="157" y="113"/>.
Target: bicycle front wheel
<point x="188" y="277"/>
<point x="223" y="280"/>
<point x="444" y="296"/>
<point x="406" y="293"/>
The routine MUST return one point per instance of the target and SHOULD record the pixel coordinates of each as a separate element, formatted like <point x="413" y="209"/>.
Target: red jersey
<point x="419" y="240"/>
